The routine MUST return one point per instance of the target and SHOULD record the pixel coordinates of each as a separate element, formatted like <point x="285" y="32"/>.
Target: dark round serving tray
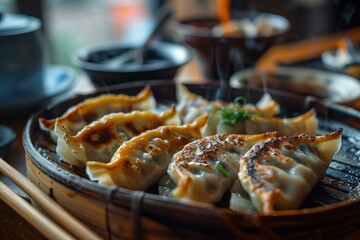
<point x="331" y="210"/>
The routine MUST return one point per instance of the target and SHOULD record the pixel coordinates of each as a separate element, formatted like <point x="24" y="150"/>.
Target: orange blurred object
<point x="224" y="15"/>
<point x="224" y="11"/>
<point x="125" y="15"/>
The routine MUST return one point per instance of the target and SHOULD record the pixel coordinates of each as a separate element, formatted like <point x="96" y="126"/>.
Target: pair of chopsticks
<point x="74" y="228"/>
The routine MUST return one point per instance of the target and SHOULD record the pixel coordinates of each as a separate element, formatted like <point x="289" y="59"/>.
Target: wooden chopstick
<point x="67" y="221"/>
<point x="38" y="220"/>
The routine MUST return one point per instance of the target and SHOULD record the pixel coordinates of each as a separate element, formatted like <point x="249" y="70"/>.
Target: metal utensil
<point x="353" y="51"/>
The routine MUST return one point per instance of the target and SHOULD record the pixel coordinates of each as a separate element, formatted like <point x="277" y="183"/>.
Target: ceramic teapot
<point x="21" y="56"/>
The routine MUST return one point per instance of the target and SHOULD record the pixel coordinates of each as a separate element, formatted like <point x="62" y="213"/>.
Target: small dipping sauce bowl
<point x="161" y="61"/>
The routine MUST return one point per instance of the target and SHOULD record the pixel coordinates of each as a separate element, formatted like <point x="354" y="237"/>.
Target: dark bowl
<point x="330" y="86"/>
<point x="7" y="137"/>
<point x="162" y="61"/>
<point x="221" y="56"/>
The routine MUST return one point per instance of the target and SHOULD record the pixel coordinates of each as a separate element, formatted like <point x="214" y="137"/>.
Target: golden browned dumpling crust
<point x="280" y="172"/>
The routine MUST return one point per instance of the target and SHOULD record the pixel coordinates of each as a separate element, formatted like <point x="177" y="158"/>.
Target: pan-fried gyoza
<point x="191" y="106"/>
<point x="304" y="123"/>
<point x="279" y="173"/>
<point x="99" y="140"/>
<point x="242" y="118"/>
<point x="142" y="160"/>
<point x="202" y="148"/>
<point x="206" y="168"/>
<point x="84" y="113"/>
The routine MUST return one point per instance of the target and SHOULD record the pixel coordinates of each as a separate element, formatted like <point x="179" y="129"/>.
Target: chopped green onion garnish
<point x="235" y="114"/>
<point x="240" y="100"/>
<point x="222" y="169"/>
<point x="231" y="115"/>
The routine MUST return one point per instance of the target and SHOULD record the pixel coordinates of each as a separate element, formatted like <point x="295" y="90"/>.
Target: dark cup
<point x="220" y="56"/>
<point x="21" y="58"/>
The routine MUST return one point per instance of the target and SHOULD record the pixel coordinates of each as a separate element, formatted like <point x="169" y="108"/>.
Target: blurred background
<point x="70" y="24"/>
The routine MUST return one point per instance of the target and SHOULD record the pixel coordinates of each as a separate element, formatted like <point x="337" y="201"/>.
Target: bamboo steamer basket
<point x="331" y="211"/>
